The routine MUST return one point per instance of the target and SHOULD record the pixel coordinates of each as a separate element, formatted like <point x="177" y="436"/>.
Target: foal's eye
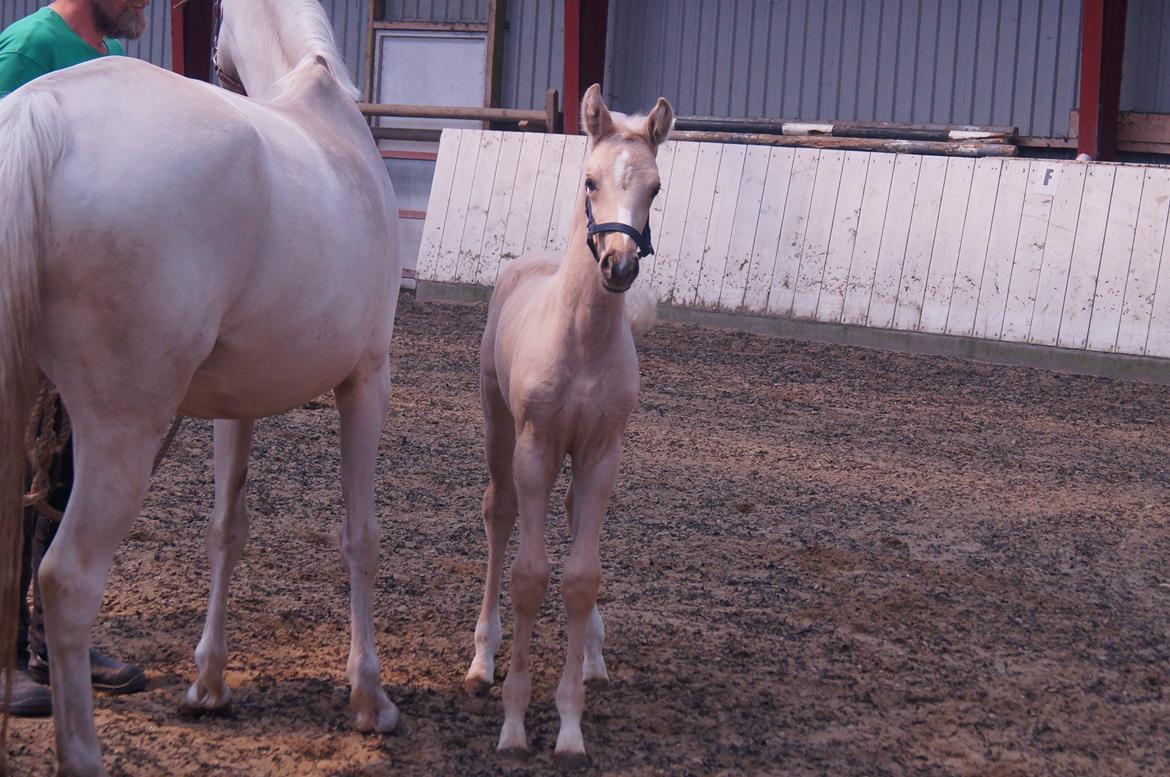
<point x="589" y="185"/>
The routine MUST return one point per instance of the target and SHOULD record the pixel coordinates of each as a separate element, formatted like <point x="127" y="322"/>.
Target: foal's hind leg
<point x="596" y="675"/>
<point x="362" y="400"/>
<point x="226" y="536"/>
<point x="594" y="475"/>
<point x="499" y="518"/>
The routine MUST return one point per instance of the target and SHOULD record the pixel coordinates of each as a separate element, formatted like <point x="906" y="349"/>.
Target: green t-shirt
<point x="41" y="43"/>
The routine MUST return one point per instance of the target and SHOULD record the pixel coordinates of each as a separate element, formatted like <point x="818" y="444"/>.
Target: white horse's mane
<point x="305" y="23"/>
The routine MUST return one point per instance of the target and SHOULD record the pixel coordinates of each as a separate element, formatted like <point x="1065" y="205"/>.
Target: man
<point x="64" y="33"/>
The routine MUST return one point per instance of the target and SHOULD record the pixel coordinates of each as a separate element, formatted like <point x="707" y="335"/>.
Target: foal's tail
<point x="641" y="308"/>
<point x="31" y="126"/>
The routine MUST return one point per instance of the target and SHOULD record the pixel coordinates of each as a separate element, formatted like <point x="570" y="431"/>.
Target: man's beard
<point x="128" y="24"/>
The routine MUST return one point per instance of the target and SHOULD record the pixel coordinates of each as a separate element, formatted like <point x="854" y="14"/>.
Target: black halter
<point x="645" y="247"/>
<point x="226" y="81"/>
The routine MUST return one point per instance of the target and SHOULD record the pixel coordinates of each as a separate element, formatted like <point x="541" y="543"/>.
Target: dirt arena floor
<point x="819" y="560"/>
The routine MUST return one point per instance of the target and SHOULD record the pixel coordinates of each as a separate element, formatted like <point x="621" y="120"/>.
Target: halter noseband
<point x="642" y="239"/>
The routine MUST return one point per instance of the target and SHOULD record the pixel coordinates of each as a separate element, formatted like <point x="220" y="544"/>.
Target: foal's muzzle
<point x="618" y="272"/>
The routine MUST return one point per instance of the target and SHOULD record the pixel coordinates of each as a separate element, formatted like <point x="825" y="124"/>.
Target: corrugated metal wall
<point x="349" y="30"/>
<point x="534" y="52"/>
<point x="945" y="61"/>
<point x="1145" y="84"/>
<point x="475" y="11"/>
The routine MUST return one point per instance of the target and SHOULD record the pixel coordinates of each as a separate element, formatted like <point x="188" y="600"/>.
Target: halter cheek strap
<point x="642" y="239"/>
<point x="226" y="81"/>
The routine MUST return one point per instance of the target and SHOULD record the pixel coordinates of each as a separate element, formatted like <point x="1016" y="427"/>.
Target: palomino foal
<point x="559" y="376"/>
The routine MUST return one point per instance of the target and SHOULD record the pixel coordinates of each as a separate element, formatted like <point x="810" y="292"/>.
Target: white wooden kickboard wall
<point x="1047" y="252"/>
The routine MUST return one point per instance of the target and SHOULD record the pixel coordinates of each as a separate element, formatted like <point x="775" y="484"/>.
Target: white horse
<point x="169" y="247"/>
<point x="559" y="376"/>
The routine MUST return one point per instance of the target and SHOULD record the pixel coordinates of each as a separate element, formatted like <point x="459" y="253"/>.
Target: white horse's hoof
<point x="201" y="703"/>
<point x="474" y="685"/>
<point x="513" y="743"/>
<point x="595" y="674"/>
<point x="382" y="719"/>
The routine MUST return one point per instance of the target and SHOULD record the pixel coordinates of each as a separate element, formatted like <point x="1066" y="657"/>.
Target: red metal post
<point x="191" y="33"/>
<point x="1102" y="47"/>
<point x="585" y="23"/>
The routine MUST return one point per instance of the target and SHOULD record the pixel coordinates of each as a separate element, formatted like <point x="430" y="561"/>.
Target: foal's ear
<point x="660" y="122"/>
<point x="594" y="115"/>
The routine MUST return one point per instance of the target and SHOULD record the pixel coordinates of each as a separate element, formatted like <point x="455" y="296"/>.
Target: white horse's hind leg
<point x="226" y="536"/>
<point x="499" y="518"/>
<point x="535" y="468"/>
<point x="593" y="482"/>
<point x="596" y="675"/>
<point x="113" y="461"/>
<point x="362" y="401"/>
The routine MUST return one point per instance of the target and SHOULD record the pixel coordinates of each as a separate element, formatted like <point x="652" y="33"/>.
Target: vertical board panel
<point x="748" y="204"/>
<point x="1116" y="253"/>
<point x="716" y="252"/>
<point x="788" y="179"/>
<point x="478" y="200"/>
<point x="973" y="250"/>
<point x="497" y="218"/>
<point x="944" y="254"/>
<point x="1058" y="249"/>
<point x="843" y="241"/>
<point x="684" y="287"/>
<point x="891" y="256"/>
<point x="531" y="160"/>
<point x="544" y="195"/>
<point x="920" y="242"/>
<point x="779" y="234"/>
<point x="1086" y="257"/>
<point x="440" y="197"/>
<point x="1144" y="265"/>
<point x="874" y="211"/>
<point x="447" y="263"/>
<point x="1030" y="246"/>
<point x="568" y="190"/>
<point x="1001" y="249"/>
<point x="817" y="234"/>
<point x="658" y="268"/>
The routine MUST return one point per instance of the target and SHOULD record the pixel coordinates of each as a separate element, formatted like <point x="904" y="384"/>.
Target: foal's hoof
<point x="569" y="761"/>
<point x="515" y="754"/>
<point x="476" y="686"/>
<point x="597" y="683"/>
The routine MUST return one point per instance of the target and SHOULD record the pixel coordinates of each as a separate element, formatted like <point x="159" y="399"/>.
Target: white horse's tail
<point x="31" y="126"/>
<point x="641" y="308"/>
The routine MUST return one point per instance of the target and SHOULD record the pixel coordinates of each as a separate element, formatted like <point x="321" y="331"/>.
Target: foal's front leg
<point x="226" y="537"/>
<point x="594" y="475"/>
<point x="596" y="675"/>
<point x="535" y="467"/>
<point x="362" y="401"/>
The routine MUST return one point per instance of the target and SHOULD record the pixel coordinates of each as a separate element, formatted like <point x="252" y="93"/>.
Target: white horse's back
<point x="270" y="199"/>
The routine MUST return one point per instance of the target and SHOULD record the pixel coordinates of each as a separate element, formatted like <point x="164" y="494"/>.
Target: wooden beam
<point x="495" y="54"/>
<point x="1102" y="47"/>
<point x="585" y="24"/>
<point x="191" y="34"/>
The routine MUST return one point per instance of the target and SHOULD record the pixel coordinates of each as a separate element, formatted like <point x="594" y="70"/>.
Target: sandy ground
<point x="819" y="560"/>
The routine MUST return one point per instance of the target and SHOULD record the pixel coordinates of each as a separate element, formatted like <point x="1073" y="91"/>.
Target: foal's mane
<point x="301" y="29"/>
